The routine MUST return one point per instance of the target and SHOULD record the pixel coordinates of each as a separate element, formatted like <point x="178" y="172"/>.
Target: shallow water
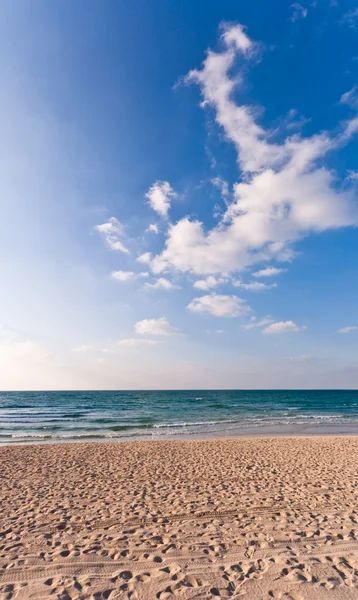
<point x="70" y="416"/>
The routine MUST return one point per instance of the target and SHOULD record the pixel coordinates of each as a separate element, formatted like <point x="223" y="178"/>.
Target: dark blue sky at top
<point x="110" y="68"/>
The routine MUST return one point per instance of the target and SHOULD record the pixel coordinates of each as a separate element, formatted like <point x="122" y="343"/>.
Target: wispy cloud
<point x="125" y="276"/>
<point x="152" y="228"/>
<point x="350" y="98"/>
<point x="254" y="286"/>
<point x="298" y="12"/>
<point x="348" y="329"/>
<point x="350" y="17"/>
<point x="293" y="120"/>
<point x="135" y="342"/>
<point x="352" y="175"/>
<point x="254" y="323"/>
<point x="112" y="232"/>
<point x="222" y="186"/>
<point x="162" y="284"/>
<point x="268" y="272"/>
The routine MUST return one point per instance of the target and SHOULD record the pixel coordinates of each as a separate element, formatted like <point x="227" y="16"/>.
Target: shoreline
<point x="247" y="433"/>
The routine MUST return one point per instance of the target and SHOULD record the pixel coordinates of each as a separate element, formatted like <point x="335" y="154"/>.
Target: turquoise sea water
<point x="68" y="416"/>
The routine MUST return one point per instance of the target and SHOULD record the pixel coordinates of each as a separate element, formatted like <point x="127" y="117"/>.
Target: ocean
<point x="115" y="415"/>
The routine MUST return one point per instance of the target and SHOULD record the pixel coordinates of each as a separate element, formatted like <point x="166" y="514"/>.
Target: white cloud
<point x="162" y="284"/>
<point x="159" y="196"/>
<point x="352" y="175"/>
<point x="285" y="191"/>
<point x="219" y="305"/>
<point x="283" y="327"/>
<point x="236" y="37"/>
<point x="298" y="11"/>
<point x="254" y="323"/>
<point x="254" y="286"/>
<point x="351" y="128"/>
<point x="268" y="272"/>
<point x="351" y="97"/>
<point x="145" y="258"/>
<point x="348" y="329"/>
<point x="209" y="282"/>
<point x="83" y="348"/>
<point x="133" y="342"/>
<point x="125" y="276"/>
<point x="112" y="231"/>
<point x="153" y="227"/>
<point x="159" y="326"/>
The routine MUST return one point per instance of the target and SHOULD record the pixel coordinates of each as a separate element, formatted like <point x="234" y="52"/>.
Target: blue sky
<point x="178" y="194"/>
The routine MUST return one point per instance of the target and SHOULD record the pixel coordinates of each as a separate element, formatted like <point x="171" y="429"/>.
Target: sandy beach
<point x="253" y="518"/>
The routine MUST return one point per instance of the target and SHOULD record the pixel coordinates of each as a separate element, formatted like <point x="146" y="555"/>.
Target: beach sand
<point x="233" y="518"/>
